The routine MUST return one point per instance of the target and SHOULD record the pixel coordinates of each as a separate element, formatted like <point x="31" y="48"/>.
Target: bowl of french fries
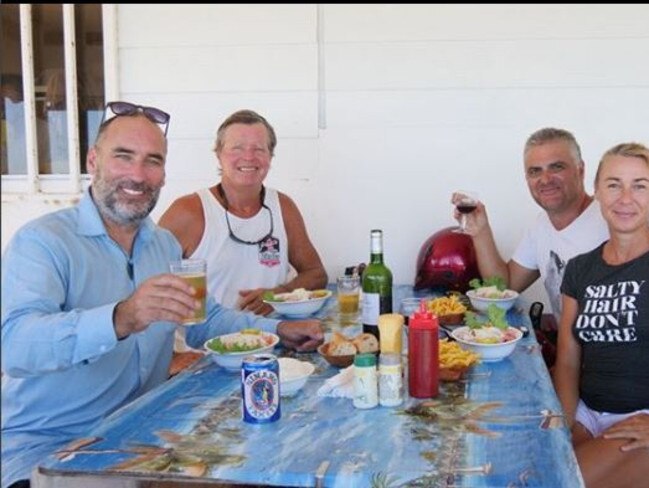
<point x="448" y="309"/>
<point x="454" y="361"/>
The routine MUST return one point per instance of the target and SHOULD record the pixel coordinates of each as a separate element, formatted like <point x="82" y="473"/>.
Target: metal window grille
<point x="51" y="97"/>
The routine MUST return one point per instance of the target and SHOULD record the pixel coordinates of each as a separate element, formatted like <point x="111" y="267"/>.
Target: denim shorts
<point x="597" y="422"/>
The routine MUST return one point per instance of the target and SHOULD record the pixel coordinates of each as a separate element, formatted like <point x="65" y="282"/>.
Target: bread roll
<point x="341" y="348"/>
<point x="366" y="343"/>
<point x="337" y="337"/>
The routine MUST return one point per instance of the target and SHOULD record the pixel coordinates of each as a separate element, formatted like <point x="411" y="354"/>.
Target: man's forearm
<point x="490" y="263"/>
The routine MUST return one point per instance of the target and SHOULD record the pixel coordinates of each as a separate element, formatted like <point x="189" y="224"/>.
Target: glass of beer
<point x="349" y="288"/>
<point x="194" y="272"/>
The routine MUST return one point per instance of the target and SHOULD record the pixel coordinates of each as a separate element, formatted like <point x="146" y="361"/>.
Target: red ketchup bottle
<point x="423" y="354"/>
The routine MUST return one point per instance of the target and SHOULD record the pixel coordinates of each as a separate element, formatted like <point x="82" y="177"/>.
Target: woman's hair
<point x="626" y="149"/>
<point x="248" y="117"/>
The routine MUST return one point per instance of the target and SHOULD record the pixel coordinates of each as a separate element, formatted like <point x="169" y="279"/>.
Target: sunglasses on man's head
<point x="127" y="109"/>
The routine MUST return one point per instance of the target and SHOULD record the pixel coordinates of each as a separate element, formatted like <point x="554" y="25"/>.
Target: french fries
<point x="446" y="306"/>
<point x="452" y="356"/>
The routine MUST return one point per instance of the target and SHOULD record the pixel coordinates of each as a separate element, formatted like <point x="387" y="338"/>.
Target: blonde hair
<point x="626" y="149"/>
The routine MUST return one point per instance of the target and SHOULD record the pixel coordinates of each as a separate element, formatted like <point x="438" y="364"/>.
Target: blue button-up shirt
<point x="63" y="367"/>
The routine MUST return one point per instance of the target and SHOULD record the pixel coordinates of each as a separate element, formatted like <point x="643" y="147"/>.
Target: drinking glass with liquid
<point x="194" y="272"/>
<point x="349" y="289"/>
<point x="465" y="203"/>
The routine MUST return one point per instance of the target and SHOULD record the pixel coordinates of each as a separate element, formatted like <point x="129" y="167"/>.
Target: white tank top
<point x="233" y="266"/>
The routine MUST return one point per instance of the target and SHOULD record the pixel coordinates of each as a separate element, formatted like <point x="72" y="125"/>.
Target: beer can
<point x="260" y="388"/>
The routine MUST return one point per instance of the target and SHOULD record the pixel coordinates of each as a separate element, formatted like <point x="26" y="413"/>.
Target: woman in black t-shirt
<point x="602" y="368"/>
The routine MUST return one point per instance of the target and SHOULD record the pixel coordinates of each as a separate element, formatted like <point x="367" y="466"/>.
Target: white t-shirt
<point x="547" y="249"/>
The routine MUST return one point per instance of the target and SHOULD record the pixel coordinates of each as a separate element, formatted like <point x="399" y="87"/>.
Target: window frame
<point x="72" y="184"/>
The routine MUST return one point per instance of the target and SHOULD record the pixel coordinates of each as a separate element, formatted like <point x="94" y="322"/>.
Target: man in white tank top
<point x="253" y="238"/>
<point x="571" y="223"/>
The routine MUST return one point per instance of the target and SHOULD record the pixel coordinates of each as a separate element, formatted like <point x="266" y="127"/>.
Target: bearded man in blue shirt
<point x="89" y="309"/>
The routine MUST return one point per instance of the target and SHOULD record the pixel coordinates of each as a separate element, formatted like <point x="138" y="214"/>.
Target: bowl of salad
<point x="494" y="339"/>
<point x="299" y="303"/>
<point x="491" y="291"/>
<point x="228" y="350"/>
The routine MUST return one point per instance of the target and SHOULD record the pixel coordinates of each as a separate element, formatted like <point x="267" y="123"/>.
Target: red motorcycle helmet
<point x="446" y="260"/>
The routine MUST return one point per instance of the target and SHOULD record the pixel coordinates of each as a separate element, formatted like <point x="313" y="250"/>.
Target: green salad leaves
<point x="495" y="318"/>
<point x="269" y="296"/>
<point x="297" y="295"/>
<point x="248" y="340"/>
<point x="496" y="281"/>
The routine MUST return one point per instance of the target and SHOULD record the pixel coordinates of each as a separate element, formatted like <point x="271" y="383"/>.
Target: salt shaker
<point x="390" y="380"/>
<point x="366" y="393"/>
<point x="423" y="354"/>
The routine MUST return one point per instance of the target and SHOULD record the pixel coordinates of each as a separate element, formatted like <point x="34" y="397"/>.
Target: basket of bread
<point x="340" y="350"/>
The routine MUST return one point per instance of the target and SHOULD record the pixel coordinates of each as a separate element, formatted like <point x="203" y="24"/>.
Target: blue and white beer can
<point x="260" y="388"/>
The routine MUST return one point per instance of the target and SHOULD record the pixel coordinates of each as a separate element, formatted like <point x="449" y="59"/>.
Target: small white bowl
<point x="481" y="304"/>
<point x="293" y="375"/>
<point x="488" y="352"/>
<point x="233" y="360"/>
<point x="299" y="309"/>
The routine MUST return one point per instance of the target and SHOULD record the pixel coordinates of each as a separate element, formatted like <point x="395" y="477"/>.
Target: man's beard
<point x="106" y="197"/>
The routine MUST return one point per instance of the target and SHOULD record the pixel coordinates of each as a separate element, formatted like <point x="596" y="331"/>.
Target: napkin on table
<point x="341" y="385"/>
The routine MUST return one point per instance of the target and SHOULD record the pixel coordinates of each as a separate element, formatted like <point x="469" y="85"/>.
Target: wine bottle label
<point x="371" y="309"/>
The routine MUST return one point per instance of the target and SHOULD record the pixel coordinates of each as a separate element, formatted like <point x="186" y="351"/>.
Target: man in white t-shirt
<point x="570" y="225"/>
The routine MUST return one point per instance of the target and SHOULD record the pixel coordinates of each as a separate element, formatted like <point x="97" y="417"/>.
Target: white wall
<point x="383" y="110"/>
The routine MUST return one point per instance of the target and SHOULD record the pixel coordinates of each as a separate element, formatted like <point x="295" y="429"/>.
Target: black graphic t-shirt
<point x="612" y="328"/>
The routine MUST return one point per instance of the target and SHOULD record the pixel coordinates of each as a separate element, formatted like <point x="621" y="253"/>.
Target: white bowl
<point x="481" y="304"/>
<point x="299" y="309"/>
<point x="488" y="352"/>
<point x="293" y="375"/>
<point x="233" y="360"/>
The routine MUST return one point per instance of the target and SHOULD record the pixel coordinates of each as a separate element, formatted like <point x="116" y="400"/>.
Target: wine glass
<point x="465" y="203"/>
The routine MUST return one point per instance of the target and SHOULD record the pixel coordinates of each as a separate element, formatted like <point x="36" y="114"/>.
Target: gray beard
<point x="105" y="197"/>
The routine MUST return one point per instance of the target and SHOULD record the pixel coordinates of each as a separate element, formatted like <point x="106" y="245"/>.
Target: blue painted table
<point x="500" y="426"/>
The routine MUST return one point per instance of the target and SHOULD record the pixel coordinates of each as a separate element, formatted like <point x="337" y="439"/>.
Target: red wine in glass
<point x="466" y="208"/>
<point x="466" y="203"/>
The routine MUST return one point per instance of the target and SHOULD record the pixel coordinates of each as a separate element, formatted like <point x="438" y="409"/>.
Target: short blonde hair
<point x="626" y="149"/>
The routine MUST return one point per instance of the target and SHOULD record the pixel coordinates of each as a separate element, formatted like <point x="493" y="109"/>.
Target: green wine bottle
<point x="377" y="286"/>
